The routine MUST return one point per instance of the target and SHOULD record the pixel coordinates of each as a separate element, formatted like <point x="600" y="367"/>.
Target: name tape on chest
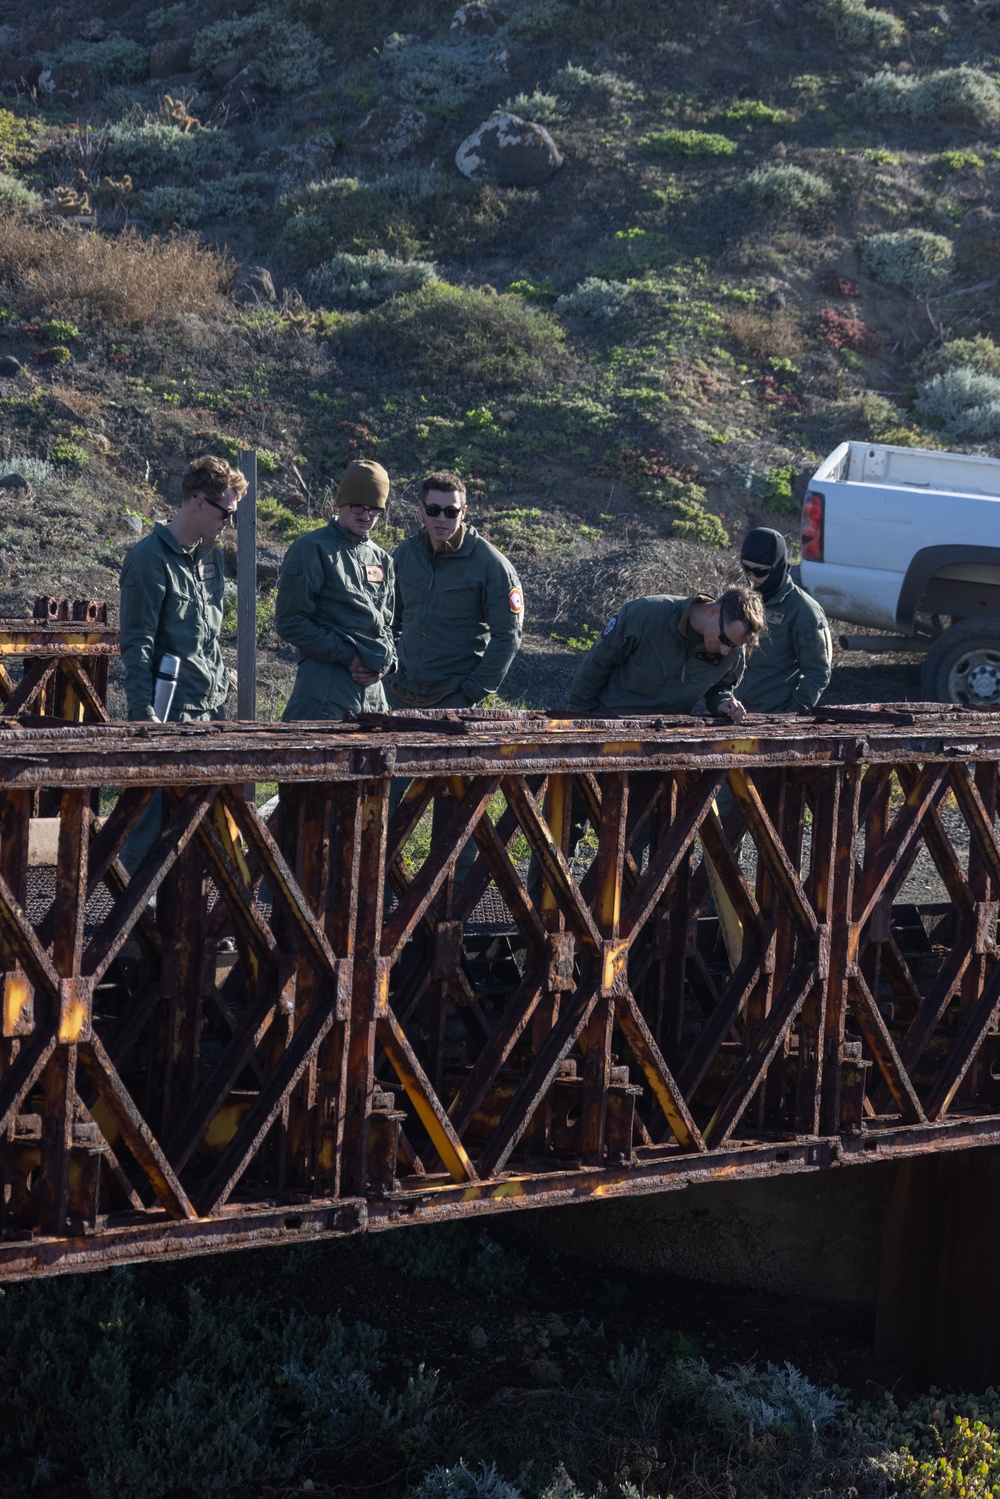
<point x="774" y="616"/>
<point x="609" y="627"/>
<point x="515" y="601"/>
<point x="374" y="572"/>
<point x="206" y="572"/>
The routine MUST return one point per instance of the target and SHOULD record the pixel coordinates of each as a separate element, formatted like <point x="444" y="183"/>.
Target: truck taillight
<point x="812" y="526"/>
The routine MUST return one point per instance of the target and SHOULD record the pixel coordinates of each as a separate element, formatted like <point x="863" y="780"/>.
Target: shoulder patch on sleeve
<point x="609" y="627"/>
<point x="515" y="601"/>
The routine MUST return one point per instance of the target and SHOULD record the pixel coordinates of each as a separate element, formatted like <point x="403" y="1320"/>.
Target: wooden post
<point x="246" y="591"/>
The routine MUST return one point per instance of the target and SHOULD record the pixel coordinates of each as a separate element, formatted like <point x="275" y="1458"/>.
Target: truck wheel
<point x="963" y="664"/>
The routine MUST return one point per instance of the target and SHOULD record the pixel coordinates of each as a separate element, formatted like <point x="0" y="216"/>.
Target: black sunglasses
<point x="725" y="638"/>
<point x="451" y="511"/>
<point x="222" y="509"/>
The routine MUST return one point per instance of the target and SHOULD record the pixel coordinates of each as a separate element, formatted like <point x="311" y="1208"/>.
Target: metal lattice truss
<point x="303" y="1025"/>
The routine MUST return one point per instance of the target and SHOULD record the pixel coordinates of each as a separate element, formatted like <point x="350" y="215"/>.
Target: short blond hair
<point x="212" y="476"/>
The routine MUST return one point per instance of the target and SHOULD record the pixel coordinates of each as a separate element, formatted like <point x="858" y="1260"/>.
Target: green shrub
<point x="137" y="1399"/>
<point x="366" y="279"/>
<point x="167" y="20"/>
<point x="913" y="258"/>
<point x="979" y="353"/>
<point x="962" y="401"/>
<point x="58" y="331"/>
<point x="680" y="143"/>
<point x="70" y="454"/>
<point x="595" y="298"/>
<point x="285" y="523"/>
<point x="115" y="58"/>
<point x="543" y="109"/>
<point x="16" y="194"/>
<point x="534" y="19"/>
<point x="755" y="112"/>
<point x="785" y="189"/>
<point x="153" y="148"/>
<point x="443" y="332"/>
<point x="288" y="56"/>
<point x="243" y="193"/>
<point x="441" y="77"/>
<point x="957" y="161"/>
<point x="963" y="93"/>
<point x="866" y="417"/>
<point x="779" y="489"/>
<point x="463" y="1482"/>
<point x="573" y="80"/>
<point x="352" y="213"/>
<point x="855" y="24"/>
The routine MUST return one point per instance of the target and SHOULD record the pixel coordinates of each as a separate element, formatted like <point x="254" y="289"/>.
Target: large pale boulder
<point x="508" y="150"/>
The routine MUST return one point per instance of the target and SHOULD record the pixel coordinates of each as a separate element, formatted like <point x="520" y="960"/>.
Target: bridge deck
<point x="306" y="1026"/>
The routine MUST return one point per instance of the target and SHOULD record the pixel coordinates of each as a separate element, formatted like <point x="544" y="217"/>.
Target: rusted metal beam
<point x="342" y="1055"/>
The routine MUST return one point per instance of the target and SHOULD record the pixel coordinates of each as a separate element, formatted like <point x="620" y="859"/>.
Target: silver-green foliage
<point x="463" y="1482"/>
<point x="363" y="280"/>
<point x="441" y="77"/>
<point x="16" y="194"/>
<point x="132" y="1399"/>
<point x="595" y="298"/>
<point x="286" y="53"/>
<point x="914" y="258"/>
<point x="744" y="1400"/>
<point x="115" y="58"/>
<point x="979" y="353"/>
<point x="231" y="197"/>
<point x="152" y="148"/>
<point x="951" y="94"/>
<point x="574" y="80"/>
<point x="785" y="189"/>
<point x="544" y="109"/>
<point x="962" y="401"/>
<point x="856" y="24"/>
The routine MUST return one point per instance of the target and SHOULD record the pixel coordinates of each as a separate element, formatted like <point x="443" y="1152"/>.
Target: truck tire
<point x="963" y="664"/>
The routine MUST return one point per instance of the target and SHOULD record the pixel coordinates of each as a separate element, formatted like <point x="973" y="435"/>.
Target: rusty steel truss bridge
<point x="775" y="951"/>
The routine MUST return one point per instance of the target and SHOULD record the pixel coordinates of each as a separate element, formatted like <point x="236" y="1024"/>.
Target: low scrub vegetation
<point x="912" y="258"/>
<point x="963" y="93"/>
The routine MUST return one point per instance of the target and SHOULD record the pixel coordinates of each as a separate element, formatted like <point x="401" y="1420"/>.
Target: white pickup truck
<point x="908" y="540"/>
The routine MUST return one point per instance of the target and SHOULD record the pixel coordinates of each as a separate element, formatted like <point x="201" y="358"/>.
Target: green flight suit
<point x="171" y="604"/>
<point x="459" y="617"/>
<point x="335" y="602"/>
<point x="650" y="660"/>
<point x="791" y="666"/>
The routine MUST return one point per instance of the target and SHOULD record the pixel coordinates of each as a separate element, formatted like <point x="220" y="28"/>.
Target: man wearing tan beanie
<point x="335" y="602"/>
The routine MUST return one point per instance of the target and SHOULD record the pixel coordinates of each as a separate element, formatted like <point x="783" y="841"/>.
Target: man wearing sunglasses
<point x="172" y="585"/>
<point x="459" y="607"/>
<point x="790" y="671"/>
<point x="335" y="602"/>
<point x="663" y="655"/>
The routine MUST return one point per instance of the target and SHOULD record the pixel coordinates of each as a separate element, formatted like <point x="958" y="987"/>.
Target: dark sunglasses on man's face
<point x="451" y="511"/>
<point x="753" y="571"/>
<point x="724" y="638"/>
<point x="222" y="509"/>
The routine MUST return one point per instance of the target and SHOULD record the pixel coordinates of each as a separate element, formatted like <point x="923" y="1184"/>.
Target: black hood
<point x="767" y="548"/>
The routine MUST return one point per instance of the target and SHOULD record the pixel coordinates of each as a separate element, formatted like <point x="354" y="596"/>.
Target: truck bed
<point x="912" y="468"/>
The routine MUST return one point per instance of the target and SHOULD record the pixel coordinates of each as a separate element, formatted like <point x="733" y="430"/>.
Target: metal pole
<point x="246" y="591"/>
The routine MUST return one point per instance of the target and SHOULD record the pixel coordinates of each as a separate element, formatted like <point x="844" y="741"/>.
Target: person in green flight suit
<point x="663" y="654"/>
<point x="172" y="587"/>
<point x="459" y="606"/>
<point x="459" y="615"/>
<point x="790" y="670"/>
<point x="335" y="604"/>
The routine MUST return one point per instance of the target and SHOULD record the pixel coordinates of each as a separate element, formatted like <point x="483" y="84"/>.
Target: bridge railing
<point x="774" y="950"/>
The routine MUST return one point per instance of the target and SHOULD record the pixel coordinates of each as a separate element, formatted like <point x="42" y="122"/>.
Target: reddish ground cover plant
<point x="844" y="332"/>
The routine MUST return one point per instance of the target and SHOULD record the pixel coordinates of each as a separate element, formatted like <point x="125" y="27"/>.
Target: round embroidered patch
<point x="609" y="626"/>
<point x="516" y="600"/>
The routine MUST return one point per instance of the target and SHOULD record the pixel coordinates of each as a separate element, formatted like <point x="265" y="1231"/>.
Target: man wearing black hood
<point x="789" y="670"/>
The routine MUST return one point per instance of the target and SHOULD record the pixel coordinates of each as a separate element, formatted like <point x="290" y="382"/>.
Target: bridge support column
<point x="939" y="1292"/>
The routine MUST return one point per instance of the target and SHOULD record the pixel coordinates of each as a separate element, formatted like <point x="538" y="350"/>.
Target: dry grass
<point x="128" y="282"/>
<point x="764" y="337"/>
